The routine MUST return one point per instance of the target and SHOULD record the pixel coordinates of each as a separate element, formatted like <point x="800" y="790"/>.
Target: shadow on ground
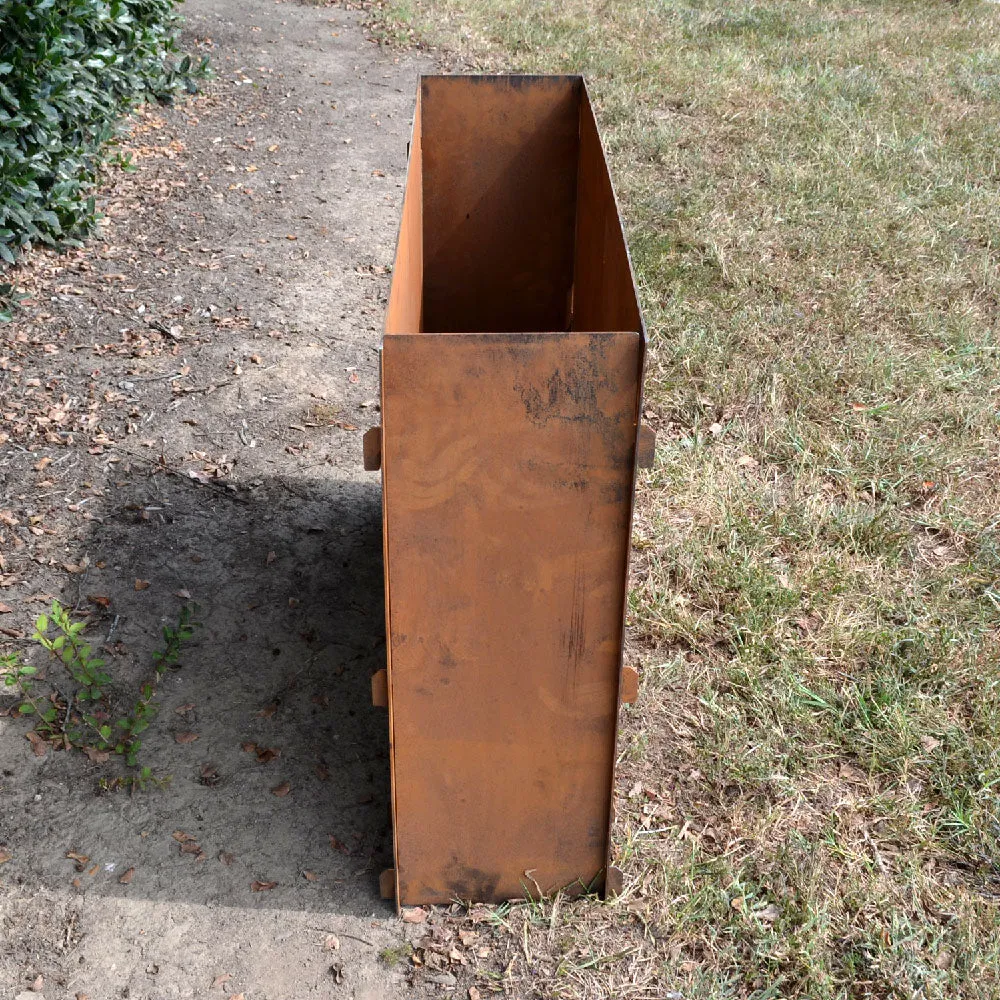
<point x="275" y="686"/>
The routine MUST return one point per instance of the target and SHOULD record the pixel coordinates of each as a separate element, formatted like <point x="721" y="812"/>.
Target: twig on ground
<point x="353" y="937"/>
<point x="221" y="490"/>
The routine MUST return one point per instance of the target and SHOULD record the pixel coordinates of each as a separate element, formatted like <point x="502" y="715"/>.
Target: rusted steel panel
<point x="508" y="467"/>
<point x="604" y="293"/>
<point x="404" y="312"/>
<point x="499" y="255"/>
<point x="511" y="391"/>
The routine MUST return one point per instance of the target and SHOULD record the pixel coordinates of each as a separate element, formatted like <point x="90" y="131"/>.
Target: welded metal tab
<point x="630" y="685"/>
<point x="380" y="688"/>
<point x="511" y="391"/>
<point x="371" y="442"/>
<point x="387" y="883"/>
<point x="645" y="453"/>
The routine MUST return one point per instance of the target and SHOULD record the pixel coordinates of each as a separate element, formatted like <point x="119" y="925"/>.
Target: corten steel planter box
<point x="511" y="393"/>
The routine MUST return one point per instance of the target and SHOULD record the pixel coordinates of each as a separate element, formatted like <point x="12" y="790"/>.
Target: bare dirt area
<point x="182" y="407"/>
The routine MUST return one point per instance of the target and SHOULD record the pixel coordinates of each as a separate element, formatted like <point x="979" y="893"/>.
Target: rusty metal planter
<point x="511" y="392"/>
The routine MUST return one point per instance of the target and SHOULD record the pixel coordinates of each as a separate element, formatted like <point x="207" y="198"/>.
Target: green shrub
<point x="68" y="70"/>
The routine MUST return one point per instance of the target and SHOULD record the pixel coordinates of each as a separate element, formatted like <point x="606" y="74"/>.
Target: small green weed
<point x="78" y="713"/>
<point x="396" y="953"/>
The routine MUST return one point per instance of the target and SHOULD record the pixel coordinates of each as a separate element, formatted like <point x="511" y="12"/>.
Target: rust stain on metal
<point x="511" y="388"/>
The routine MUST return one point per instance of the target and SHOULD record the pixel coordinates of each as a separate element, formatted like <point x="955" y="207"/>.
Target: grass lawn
<point x="809" y="782"/>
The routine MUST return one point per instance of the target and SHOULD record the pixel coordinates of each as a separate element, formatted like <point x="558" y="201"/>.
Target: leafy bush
<point x="68" y="70"/>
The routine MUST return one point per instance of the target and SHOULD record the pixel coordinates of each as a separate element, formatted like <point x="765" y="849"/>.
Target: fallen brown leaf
<point x="309" y="876"/>
<point x="181" y="837"/>
<point x="209" y="775"/>
<point x="185" y="708"/>
<point x="281" y="790"/>
<point x="100" y="599"/>
<point x="339" y="845"/>
<point x="848" y="772"/>
<point x="6" y="609"/>
<point x="97" y="756"/>
<point x="226" y="858"/>
<point x="262" y="886"/>
<point x="442" y="978"/>
<point x="413" y="915"/>
<point x="185" y="737"/>
<point x="126" y="877"/>
<point x="267" y="711"/>
<point x="266" y="755"/>
<point x="5" y="855"/>
<point x="248" y="747"/>
<point x="220" y="979"/>
<point x="38" y="745"/>
<point x="141" y="584"/>
<point x="190" y="847"/>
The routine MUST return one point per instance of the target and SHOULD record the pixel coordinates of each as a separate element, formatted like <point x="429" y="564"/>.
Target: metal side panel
<point x="508" y="464"/>
<point x="499" y="201"/>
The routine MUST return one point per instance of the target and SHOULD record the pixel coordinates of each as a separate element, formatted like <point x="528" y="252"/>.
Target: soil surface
<point x="183" y="401"/>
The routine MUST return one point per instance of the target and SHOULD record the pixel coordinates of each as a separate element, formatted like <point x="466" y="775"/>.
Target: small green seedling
<point x="80" y="716"/>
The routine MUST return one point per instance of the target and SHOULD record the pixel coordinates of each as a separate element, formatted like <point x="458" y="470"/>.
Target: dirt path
<point x="183" y="404"/>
